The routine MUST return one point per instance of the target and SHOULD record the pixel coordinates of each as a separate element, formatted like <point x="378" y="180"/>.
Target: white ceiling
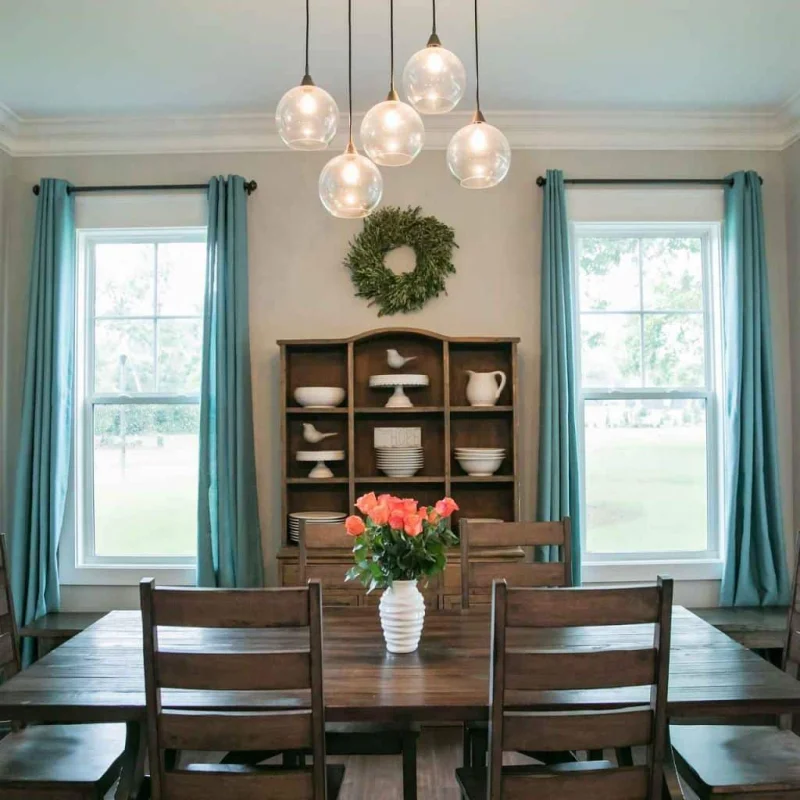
<point x="74" y="58"/>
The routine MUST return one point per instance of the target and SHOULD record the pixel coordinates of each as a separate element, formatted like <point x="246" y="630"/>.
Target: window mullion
<point x="641" y="310"/>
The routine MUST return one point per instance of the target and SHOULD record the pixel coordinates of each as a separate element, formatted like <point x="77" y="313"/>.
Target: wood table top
<point x="756" y="628"/>
<point x="61" y="624"/>
<point x="97" y="675"/>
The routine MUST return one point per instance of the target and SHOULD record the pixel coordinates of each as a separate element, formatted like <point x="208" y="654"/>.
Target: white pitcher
<point x="483" y="389"/>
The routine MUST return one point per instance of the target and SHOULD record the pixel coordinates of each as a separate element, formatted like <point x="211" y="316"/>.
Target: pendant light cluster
<point x="392" y="132"/>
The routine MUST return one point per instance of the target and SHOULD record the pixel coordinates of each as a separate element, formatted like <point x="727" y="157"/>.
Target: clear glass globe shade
<point x="307" y="117"/>
<point x="350" y="186"/>
<point x="392" y="133"/>
<point x="479" y="156"/>
<point x="434" y="80"/>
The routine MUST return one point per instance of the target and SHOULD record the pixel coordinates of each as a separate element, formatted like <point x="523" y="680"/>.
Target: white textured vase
<point x="402" y="610"/>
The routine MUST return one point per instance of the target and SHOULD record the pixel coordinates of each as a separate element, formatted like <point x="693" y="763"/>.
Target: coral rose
<point x="433" y="517"/>
<point x="366" y="502"/>
<point x="380" y="514"/>
<point x="386" y="499"/>
<point x="409" y="506"/>
<point x="413" y="526"/>
<point x="446" y="506"/>
<point x="397" y="519"/>
<point x="354" y="525"/>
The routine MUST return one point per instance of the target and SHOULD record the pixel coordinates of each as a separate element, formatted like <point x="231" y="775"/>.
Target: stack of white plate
<point x="480" y="461"/>
<point x="325" y="517"/>
<point x="399" y="462"/>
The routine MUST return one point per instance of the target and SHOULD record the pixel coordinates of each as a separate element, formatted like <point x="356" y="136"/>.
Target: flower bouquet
<point x="397" y="544"/>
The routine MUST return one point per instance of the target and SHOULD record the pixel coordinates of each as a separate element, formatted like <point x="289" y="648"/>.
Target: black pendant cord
<point x="350" y="70"/>
<point x="433" y="8"/>
<point x="308" y="25"/>
<point x="477" y="66"/>
<point x="391" y="46"/>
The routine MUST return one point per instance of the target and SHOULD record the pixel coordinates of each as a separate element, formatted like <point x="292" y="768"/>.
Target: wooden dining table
<point x="97" y="676"/>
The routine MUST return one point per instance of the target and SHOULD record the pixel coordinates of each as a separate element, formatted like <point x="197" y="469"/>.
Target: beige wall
<point x="299" y="288"/>
<point x="5" y="173"/>
<point x="792" y="175"/>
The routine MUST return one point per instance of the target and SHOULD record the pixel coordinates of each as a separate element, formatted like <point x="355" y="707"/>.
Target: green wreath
<point x="386" y="229"/>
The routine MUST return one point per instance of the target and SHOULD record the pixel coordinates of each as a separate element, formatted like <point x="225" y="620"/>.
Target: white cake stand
<point x="320" y="457"/>
<point x="399" y="399"/>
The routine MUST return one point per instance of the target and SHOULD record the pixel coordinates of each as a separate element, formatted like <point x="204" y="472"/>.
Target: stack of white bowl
<point x="399" y="462"/>
<point x="480" y="461"/>
<point x="324" y="517"/>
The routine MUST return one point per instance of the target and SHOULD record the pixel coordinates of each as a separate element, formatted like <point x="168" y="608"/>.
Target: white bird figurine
<point x="396" y="361"/>
<point x="311" y="434"/>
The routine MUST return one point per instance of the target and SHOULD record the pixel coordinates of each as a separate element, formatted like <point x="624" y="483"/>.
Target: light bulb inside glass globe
<point x="434" y="79"/>
<point x="392" y="133"/>
<point x="307" y="117"/>
<point x="350" y="185"/>
<point x="479" y="155"/>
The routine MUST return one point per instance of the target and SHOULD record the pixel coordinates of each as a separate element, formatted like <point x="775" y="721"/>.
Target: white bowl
<point x="318" y="396"/>
<point x="480" y="467"/>
<point x="400" y="472"/>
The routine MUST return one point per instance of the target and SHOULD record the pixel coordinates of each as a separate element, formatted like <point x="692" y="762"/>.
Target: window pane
<point x="611" y="350"/>
<point x="145" y="479"/>
<point x="124" y="279"/>
<point x="673" y="274"/>
<point x="179" y="355"/>
<point x="123" y="356"/>
<point x="609" y="274"/>
<point x="181" y="278"/>
<point x="673" y="350"/>
<point x="646" y="475"/>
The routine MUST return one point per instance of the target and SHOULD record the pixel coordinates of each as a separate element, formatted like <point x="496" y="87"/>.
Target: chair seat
<point x="473" y="780"/>
<point x="729" y="760"/>
<point x="79" y="756"/>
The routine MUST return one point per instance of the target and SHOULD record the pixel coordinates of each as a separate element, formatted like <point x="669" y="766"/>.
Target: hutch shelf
<point x="441" y="412"/>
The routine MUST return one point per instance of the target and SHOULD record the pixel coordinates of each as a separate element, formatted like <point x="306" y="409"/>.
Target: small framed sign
<point x="398" y="437"/>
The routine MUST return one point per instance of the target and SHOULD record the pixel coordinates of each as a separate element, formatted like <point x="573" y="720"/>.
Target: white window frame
<point x="78" y="562"/>
<point x="687" y="565"/>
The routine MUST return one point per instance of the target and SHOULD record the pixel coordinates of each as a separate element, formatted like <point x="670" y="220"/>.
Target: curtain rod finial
<point x="250" y="187"/>
<point x="37" y="189"/>
<point x="541" y="181"/>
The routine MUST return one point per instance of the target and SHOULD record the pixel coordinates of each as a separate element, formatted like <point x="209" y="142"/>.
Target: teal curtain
<point x="229" y="535"/>
<point x="559" y="481"/>
<point x="43" y="462"/>
<point x="755" y="567"/>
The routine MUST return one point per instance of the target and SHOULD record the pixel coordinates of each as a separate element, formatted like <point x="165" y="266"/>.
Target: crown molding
<point x="541" y="130"/>
<point x="9" y="128"/>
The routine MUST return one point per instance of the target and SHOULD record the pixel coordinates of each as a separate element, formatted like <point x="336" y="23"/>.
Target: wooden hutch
<point x="441" y="411"/>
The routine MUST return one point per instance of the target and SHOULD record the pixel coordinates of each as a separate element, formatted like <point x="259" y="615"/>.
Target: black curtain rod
<point x="541" y="181"/>
<point x="250" y="187"/>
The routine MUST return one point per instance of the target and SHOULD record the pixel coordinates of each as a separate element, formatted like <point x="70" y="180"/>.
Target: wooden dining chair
<point x="270" y="662"/>
<point x="522" y="672"/>
<point x="78" y="762"/>
<point x="746" y="762"/>
<point x="478" y="576"/>
<point x="354" y="739"/>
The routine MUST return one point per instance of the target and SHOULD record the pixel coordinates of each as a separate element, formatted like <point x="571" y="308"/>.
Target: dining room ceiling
<point x="102" y="58"/>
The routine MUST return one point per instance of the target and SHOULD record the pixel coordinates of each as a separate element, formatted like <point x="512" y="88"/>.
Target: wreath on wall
<point x="385" y="230"/>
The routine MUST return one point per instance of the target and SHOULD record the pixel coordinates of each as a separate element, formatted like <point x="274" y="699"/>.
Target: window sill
<point x="107" y="575"/>
<point x="635" y="571"/>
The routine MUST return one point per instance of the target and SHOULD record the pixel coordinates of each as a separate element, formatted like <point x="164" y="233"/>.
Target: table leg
<point x="132" y="773"/>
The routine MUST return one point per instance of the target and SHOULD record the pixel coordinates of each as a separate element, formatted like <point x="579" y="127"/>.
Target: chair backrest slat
<point x="547" y="609"/>
<point x="558" y="732"/>
<point x="238" y="785"/>
<point x="476" y="574"/>
<point x="602" y="669"/>
<point x="252" y="659"/>
<point x="524" y="662"/>
<point x="316" y="540"/>
<point x="9" y="636"/>
<point x="230" y="609"/>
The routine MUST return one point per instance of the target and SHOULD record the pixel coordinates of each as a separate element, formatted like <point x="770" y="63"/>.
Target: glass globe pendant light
<point x="434" y="79"/>
<point x="350" y="185"/>
<point x="478" y="155"/>
<point x="392" y="132"/>
<point x="307" y="115"/>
